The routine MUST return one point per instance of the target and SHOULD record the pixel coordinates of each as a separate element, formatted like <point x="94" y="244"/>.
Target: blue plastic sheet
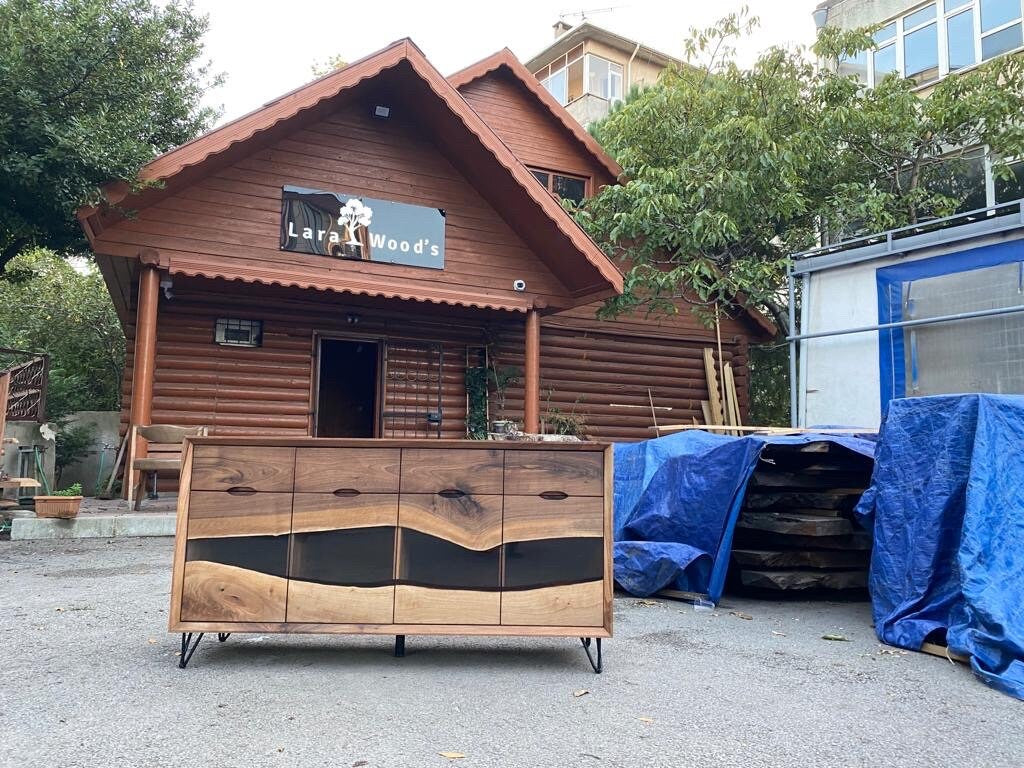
<point x="947" y="508"/>
<point x="677" y="500"/>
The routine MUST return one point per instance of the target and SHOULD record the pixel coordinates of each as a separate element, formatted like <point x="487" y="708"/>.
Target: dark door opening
<point x="347" y="388"/>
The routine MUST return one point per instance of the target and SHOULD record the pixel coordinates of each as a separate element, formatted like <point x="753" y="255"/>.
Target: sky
<point x="268" y="47"/>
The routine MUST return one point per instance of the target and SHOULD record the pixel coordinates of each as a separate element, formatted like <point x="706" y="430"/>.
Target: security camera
<point x="519" y="285"/>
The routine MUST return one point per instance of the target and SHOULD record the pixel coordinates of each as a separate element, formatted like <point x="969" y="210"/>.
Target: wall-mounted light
<point x="167" y="284"/>
<point x="382" y="111"/>
<point x="352" y="319"/>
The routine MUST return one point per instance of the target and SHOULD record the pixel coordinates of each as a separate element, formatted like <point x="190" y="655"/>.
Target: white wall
<point x="839" y="376"/>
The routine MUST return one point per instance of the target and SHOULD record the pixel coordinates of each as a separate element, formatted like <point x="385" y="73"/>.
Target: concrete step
<point x="93" y="526"/>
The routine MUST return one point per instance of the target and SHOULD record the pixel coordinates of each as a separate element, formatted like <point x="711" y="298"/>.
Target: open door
<point x="347" y="387"/>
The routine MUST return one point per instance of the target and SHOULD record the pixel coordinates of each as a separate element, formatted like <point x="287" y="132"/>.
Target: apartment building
<point x="927" y="41"/>
<point x="587" y="69"/>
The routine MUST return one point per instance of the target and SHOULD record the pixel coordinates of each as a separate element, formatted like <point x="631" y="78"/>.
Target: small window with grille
<point x="233" y="332"/>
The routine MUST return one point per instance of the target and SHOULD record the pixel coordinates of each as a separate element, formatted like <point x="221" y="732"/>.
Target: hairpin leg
<point x="223" y="636"/>
<point x="586" y="647"/>
<point x="186" y="649"/>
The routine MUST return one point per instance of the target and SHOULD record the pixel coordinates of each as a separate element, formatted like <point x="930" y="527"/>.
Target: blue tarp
<point x="947" y="508"/>
<point x="677" y="499"/>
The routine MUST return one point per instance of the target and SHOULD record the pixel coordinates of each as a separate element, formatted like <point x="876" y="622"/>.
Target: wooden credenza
<point x="392" y="537"/>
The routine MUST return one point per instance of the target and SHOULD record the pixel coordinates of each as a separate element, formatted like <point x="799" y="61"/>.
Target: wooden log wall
<point x="601" y="376"/>
<point x="268" y="390"/>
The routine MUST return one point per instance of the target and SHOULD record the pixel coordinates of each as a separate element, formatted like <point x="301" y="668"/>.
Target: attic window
<point x="232" y="332"/>
<point x="561" y="185"/>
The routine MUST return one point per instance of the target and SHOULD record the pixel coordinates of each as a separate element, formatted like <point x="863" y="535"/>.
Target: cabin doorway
<point x="347" y="388"/>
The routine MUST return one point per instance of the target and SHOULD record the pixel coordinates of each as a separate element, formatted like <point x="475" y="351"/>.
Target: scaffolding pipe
<point x="910" y="323"/>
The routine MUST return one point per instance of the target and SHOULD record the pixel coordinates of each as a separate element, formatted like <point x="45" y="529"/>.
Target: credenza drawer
<point x="218" y="514"/>
<point x="535" y="517"/>
<point x="533" y="472"/>
<point x="368" y="470"/>
<point x="429" y="470"/>
<point x="257" y="468"/>
<point x="328" y="511"/>
<point x="470" y="521"/>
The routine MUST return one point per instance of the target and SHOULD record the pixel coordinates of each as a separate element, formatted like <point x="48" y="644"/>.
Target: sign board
<point x="361" y="228"/>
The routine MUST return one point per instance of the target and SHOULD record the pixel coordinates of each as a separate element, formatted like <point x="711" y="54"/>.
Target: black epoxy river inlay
<point x="263" y="554"/>
<point x="549" y="562"/>
<point x="354" y="557"/>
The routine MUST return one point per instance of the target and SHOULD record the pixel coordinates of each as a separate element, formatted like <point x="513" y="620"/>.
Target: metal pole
<point x="910" y="323"/>
<point x="793" y="348"/>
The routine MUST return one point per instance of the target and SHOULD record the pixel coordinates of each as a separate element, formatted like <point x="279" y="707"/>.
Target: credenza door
<point x="553" y="539"/>
<point x="449" y="539"/>
<point x="345" y="512"/>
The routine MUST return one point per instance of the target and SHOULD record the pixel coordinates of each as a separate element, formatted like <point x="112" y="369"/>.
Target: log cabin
<point x="334" y="263"/>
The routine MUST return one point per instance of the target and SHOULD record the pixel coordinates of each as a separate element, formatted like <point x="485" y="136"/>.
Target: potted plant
<point x="500" y="378"/>
<point x="60" y="503"/>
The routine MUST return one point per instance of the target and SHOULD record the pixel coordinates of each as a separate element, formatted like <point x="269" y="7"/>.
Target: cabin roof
<point x="558" y="241"/>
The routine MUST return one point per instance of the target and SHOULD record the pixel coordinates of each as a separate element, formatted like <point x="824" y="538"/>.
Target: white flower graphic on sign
<point x="353" y="216"/>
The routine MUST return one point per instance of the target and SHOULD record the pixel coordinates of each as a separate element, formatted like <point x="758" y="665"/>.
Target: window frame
<point x="551" y="174"/>
<point x="562" y="63"/>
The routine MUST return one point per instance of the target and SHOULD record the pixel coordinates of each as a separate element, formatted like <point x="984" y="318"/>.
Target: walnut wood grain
<point x="528" y="473"/>
<point x="428" y="605"/>
<point x="429" y="470"/>
<point x="214" y="514"/>
<point x="225" y="593"/>
<point x="368" y="470"/>
<point x="527" y="518"/>
<point x="569" y="605"/>
<point x="471" y="521"/>
<point x="222" y="467"/>
<point x="325" y="511"/>
<point x="330" y="604"/>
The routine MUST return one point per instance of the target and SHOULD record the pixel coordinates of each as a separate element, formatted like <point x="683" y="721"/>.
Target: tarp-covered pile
<point x="947" y="509"/>
<point x="677" y="501"/>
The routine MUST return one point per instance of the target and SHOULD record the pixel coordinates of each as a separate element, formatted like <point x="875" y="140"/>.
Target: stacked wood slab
<point x="796" y="529"/>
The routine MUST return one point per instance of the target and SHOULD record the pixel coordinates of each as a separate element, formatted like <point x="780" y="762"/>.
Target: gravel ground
<point x="90" y="679"/>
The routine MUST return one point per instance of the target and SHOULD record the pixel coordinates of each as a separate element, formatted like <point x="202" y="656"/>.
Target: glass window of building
<point x="604" y="78"/>
<point x="960" y="40"/>
<point x="921" y="53"/>
<point x="1004" y="40"/>
<point x="561" y="185"/>
<point x="996" y="13"/>
<point x="1012" y="188"/>
<point x="885" y="62"/>
<point x="855" y="66"/>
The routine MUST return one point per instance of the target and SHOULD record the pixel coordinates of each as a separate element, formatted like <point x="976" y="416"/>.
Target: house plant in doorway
<point x="60" y="503"/>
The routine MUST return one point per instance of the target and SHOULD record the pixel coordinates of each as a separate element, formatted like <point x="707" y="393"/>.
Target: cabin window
<point x="233" y="332"/>
<point x="562" y="186"/>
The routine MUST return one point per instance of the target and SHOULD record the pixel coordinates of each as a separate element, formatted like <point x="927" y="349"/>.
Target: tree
<point x="60" y="307"/>
<point x="328" y="65"/>
<point x="91" y="91"/>
<point x="731" y="170"/>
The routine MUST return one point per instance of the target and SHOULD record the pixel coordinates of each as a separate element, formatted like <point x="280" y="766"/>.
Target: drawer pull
<point x="347" y="492"/>
<point x="451" y="493"/>
<point x="554" y="495"/>
<point x="242" y="490"/>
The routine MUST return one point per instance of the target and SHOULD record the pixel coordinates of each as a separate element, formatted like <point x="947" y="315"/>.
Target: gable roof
<point x="507" y="60"/>
<point x="582" y="267"/>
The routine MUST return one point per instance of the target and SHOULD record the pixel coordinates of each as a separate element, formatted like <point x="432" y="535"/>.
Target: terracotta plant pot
<point x="57" y="506"/>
